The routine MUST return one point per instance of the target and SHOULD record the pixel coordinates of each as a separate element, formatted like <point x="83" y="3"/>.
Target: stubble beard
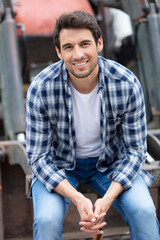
<point x="85" y="75"/>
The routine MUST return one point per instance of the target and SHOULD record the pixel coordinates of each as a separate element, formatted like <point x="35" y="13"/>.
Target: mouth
<point x="80" y="64"/>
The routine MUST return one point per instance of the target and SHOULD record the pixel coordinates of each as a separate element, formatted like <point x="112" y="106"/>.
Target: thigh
<point x="137" y="197"/>
<point x="47" y="203"/>
<point x="129" y="201"/>
<point x="49" y="212"/>
<point x="137" y="208"/>
<point x="135" y="205"/>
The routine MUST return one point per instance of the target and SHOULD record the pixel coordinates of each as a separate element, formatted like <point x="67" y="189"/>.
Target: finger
<point x="88" y="216"/>
<point x="84" y="218"/>
<point x="88" y="230"/>
<point x="98" y="226"/>
<point x="92" y="226"/>
<point x="101" y="215"/>
<point x="87" y="219"/>
<point x="87" y="224"/>
<point x="100" y="218"/>
<point x="93" y="219"/>
<point x="89" y="212"/>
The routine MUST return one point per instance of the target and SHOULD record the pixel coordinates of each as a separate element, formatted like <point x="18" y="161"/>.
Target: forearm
<point x="65" y="189"/>
<point x="83" y="204"/>
<point x="113" y="192"/>
<point x="102" y="205"/>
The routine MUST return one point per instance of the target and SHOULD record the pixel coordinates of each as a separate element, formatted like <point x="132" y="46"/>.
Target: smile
<point x="80" y="64"/>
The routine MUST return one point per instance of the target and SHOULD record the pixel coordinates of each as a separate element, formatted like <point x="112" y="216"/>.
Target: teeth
<point x="80" y="64"/>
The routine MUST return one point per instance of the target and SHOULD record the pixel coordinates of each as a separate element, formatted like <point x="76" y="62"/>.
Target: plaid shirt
<point x="50" y="133"/>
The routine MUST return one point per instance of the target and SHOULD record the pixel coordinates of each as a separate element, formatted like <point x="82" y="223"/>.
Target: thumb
<point x="91" y="215"/>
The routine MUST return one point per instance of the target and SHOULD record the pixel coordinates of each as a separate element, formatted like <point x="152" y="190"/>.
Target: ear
<point x="59" y="53"/>
<point x="100" y="44"/>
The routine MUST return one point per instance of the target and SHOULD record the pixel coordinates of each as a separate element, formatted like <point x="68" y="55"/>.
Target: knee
<point x="51" y="223"/>
<point x="145" y="211"/>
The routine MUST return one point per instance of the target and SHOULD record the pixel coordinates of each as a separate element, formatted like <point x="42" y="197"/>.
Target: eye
<point x="85" y="44"/>
<point x="67" y="47"/>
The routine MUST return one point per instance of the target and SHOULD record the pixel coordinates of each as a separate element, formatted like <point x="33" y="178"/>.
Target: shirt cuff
<point x="121" y="178"/>
<point x="55" y="179"/>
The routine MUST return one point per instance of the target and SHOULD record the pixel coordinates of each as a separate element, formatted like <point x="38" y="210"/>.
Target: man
<point x="85" y="122"/>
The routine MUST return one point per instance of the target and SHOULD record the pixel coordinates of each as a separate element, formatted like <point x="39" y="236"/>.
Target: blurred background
<point x="131" y="34"/>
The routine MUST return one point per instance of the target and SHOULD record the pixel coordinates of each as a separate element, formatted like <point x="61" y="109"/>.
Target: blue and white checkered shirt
<point x="50" y="133"/>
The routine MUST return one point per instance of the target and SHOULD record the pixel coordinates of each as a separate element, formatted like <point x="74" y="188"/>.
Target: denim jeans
<point x="135" y="204"/>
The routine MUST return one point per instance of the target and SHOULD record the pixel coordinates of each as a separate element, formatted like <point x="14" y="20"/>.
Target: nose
<point x="78" y="53"/>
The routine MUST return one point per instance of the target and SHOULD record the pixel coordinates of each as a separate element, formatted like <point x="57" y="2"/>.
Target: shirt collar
<point x="101" y="71"/>
<point x="64" y="72"/>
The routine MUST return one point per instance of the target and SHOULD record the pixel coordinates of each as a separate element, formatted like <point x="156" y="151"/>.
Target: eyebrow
<point x="69" y="44"/>
<point x="86" y="41"/>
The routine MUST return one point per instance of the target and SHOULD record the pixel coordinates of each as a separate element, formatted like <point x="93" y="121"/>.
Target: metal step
<point x="109" y="234"/>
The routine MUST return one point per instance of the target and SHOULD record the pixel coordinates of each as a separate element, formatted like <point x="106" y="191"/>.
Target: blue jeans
<point x="135" y="205"/>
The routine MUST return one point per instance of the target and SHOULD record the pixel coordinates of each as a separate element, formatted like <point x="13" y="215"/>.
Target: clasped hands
<point x="92" y="220"/>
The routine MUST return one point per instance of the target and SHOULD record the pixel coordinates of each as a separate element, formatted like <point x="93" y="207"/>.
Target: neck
<point x="84" y="86"/>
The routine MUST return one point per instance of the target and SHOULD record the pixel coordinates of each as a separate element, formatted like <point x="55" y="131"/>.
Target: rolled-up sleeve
<point x="134" y="132"/>
<point x="39" y="141"/>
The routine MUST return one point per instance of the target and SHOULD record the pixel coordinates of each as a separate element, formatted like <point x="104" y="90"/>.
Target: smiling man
<point x="85" y="122"/>
<point x="80" y="53"/>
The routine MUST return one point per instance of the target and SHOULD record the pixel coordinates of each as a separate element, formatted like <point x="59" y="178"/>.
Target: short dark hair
<point x="74" y="20"/>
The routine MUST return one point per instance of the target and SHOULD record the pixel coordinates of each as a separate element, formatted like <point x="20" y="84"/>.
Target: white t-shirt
<point x="86" y="112"/>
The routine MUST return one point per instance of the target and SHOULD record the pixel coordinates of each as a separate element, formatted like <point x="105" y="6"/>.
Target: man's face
<point x="79" y="52"/>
